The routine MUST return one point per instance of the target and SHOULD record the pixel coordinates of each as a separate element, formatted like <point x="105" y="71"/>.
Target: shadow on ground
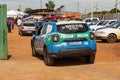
<point x="72" y="61"/>
<point x="9" y="56"/>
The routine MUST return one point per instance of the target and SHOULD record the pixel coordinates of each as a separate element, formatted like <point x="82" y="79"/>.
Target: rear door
<point x="46" y="29"/>
<point x="37" y="39"/>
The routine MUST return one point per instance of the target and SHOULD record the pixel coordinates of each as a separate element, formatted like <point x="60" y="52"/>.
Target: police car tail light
<point x="92" y="35"/>
<point x="55" y="38"/>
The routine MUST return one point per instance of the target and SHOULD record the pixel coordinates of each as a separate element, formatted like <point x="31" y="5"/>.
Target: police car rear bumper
<point x="73" y="52"/>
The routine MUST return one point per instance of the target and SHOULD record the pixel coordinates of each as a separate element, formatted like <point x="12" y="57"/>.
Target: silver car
<point x="27" y="28"/>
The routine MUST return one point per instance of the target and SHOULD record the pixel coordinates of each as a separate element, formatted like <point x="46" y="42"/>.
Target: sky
<point x="70" y="5"/>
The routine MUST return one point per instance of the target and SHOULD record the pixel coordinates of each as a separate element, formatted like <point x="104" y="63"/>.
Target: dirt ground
<point x="22" y="66"/>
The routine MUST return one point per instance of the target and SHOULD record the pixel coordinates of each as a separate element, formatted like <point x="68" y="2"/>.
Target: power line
<point x="77" y="6"/>
<point x="92" y="3"/>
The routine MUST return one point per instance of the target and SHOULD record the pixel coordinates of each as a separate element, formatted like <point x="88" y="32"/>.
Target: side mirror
<point x="34" y="33"/>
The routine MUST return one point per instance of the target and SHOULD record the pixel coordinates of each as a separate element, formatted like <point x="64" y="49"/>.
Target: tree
<point x="28" y="10"/>
<point x="114" y="10"/>
<point x="50" y="5"/>
<point x="101" y="12"/>
<point x="18" y="9"/>
<point x="104" y="12"/>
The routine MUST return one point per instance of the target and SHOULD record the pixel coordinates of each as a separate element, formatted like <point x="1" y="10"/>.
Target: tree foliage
<point x="18" y="9"/>
<point x="50" y="5"/>
<point x="114" y="10"/>
<point x="105" y="11"/>
<point x="28" y="10"/>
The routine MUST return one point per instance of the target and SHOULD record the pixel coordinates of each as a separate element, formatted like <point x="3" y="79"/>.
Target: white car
<point x="27" y="27"/>
<point x="110" y="34"/>
<point x="102" y="24"/>
<point x="91" y="20"/>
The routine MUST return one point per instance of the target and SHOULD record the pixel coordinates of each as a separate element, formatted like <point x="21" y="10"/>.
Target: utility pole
<point x="41" y="3"/>
<point x="116" y="6"/>
<point x="19" y="7"/>
<point x="116" y="9"/>
<point x="77" y="6"/>
<point x="96" y="8"/>
<point x="92" y="3"/>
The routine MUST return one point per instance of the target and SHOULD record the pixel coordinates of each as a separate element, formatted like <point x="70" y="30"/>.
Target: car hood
<point x="107" y="29"/>
<point x="102" y="27"/>
<point x="96" y="27"/>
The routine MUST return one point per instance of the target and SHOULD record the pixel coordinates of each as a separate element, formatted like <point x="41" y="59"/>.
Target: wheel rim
<point x="111" y="38"/>
<point x="47" y="59"/>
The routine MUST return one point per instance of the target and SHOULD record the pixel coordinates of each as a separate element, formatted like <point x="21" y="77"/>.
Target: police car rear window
<point x="72" y="28"/>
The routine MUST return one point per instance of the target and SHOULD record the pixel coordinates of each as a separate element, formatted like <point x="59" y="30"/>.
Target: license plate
<point x="75" y="43"/>
<point x="29" y="31"/>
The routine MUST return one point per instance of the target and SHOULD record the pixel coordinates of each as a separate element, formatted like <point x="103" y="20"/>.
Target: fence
<point x="107" y="16"/>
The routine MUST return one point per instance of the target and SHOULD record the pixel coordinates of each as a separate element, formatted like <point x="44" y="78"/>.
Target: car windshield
<point x="100" y="23"/>
<point x="88" y="20"/>
<point x="104" y="23"/>
<point x="115" y="25"/>
<point x="94" y="20"/>
<point x="72" y="28"/>
<point x="29" y="24"/>
<point x="94" y="23"/>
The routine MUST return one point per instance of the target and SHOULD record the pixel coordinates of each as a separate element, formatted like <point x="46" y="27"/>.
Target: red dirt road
<point x="22" y="66"/>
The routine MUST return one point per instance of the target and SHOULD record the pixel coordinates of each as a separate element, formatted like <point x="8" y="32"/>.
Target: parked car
<point x="102" y="24"/>
<point x="64" y="39"/>
<point x="27" y="27"/>
<point x="110" y="34"/>
<point x="96" y="24"/>
<point x="91" y="20"/>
